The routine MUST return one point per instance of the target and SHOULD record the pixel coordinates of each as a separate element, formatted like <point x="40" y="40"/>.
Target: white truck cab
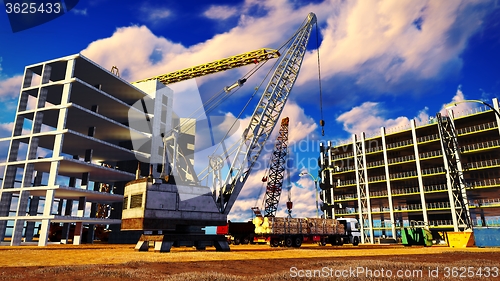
<point x="352" y="232"/>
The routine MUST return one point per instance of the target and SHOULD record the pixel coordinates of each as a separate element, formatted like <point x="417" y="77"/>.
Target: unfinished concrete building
<point x="399" y="176"/>
<point x="74" y="145"/>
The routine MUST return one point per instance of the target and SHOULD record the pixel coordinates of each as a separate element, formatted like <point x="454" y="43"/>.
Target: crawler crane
<point x="174" y="214"/>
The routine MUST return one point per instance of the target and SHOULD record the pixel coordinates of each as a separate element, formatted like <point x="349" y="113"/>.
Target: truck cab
<point x="352" y="232"/>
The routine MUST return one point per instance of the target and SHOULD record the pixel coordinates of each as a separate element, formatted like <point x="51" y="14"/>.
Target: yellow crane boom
<point x="256" y="56"/>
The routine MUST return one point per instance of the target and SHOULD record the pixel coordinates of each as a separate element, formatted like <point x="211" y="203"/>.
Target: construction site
<point x="97" y="160"/>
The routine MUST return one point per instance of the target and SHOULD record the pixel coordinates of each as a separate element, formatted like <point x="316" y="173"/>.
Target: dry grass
<point x="121" y="262"/>
<point x="60" y="255"/>
<point x="101" y="272"/>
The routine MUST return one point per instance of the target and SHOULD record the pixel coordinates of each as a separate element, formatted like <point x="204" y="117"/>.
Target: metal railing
<point x="403" y="175"/>
<point x="376" y="178"/>
<point x="438" y="205"/>
<point x="471" y="111"/>
<point x="375" y="163"/>
<point x="483" y="164"/>
<point x="378" y="193"/>
<point x="428" y="138"/>
<point x="434" y="170"/>
<point x="482" y="145"/>
<point x="374" y="149"/>
<point x="344" y="183"/>
<point x="407" y="190"/>
<point x="476" y="128"/>
<point x="485" y="202"/>
<point x="485" y="182"/>
<point x="435" y="187"/>
<point x="405" y="158"/>
<point x="399" y="144"/>
<point x="343" y="155"/>
<point x="440" y="223"/>
<point x="430" y="154"/>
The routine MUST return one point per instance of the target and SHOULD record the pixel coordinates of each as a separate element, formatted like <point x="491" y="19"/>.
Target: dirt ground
<point x="247" y="262"/>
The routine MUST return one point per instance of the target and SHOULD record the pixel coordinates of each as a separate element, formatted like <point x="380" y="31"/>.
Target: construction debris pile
<point x="279" y="225"/>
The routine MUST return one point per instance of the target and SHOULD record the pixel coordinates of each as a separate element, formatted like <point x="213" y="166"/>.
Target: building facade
<point x="443" y="174"/>
<point x="74" y="145"/>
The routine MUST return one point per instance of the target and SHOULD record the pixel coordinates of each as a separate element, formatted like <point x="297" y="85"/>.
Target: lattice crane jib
<point x="277" y="171"/>
<point x="454" y="173"/>
<point x="252" y="57"/>
<point x="266" y="115"/>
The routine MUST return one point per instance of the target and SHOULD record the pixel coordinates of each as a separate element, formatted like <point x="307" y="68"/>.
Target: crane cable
<point x="214" y="101"/>
<point x="262" y="188"/>
<point x="246" y="76"/>
<point x="257" y="88"/>
<point x="321" y="121"/>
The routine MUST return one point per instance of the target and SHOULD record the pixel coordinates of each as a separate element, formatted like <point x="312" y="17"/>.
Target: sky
<point x="382" y="63"/>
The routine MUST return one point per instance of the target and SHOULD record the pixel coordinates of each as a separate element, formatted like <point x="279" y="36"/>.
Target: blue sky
<point x="383" y="62"/>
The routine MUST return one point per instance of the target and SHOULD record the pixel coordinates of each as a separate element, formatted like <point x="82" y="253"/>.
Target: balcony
<point x="476" y="128"/>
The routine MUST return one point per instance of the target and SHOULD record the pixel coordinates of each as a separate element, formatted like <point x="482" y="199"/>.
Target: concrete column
<point x="77" y="240"/>
<point x="66" y="226"/>
<point x="44" y="228"/>
<point x="22" y="205"/>
<point x="42" y="97"/>
<point x="388" y="182"/>
<point x="33" y="211"/>
<point x="497" y="108"/>
<point x="47" y="70"/>
<point x="5" y="201"/>
<point x="419" y="172"/>
<point x="85" y="180"/>
<point x="28" y="77"/>
<point x="92" y="227"/>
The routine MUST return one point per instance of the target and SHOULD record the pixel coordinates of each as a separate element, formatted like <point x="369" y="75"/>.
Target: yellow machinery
<point x="255" y="57"/>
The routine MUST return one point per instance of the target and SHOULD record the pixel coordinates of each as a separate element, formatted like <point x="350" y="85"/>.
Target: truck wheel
<point x="339" y="241"/>
<point x="236" y="241"/>
<point x="288" y="242"/>
<point x="274" y="242"/>
<point x="245" y="241"/>
<point x="322" y="243"/>
<point x="355" y="241"/>
<point x="297" y="242"/>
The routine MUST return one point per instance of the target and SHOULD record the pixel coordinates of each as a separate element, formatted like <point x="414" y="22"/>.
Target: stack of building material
<point x="303" y="226"/>
<point x="315" y="225"/>
<point x="340" y="228"/>
<point x="278" y="225"/>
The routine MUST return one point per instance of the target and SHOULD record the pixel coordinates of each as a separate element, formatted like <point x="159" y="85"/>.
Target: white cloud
<point x="220" y="12"/>
<point x="154" y="14"/>
<point x="9" y="88"/>
<point x="130" y="47"/>
<point x="6" y="129"/>
<point x="460" y="108"/>
<point x="82" y="12"/>
<point x="380" y="44"/>
<point x="369" y="118"/>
